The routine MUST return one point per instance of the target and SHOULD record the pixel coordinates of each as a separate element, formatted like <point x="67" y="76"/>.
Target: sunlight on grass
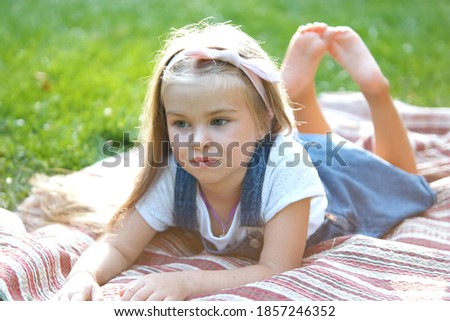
<point x="73" y="73"/>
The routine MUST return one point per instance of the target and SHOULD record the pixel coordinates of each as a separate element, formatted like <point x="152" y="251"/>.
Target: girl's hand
<point x="170" y="286"/>
<point x="81" y="286"/>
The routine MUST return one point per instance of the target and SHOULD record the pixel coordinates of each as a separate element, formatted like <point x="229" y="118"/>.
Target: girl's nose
<point x="201" y="137"/>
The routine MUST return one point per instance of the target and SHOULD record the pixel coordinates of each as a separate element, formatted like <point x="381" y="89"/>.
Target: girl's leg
<point x="298" y="71"/>
<point x="391" y="140"/>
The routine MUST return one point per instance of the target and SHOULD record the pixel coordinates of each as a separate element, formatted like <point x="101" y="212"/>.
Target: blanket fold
<point x="411" y="262"/>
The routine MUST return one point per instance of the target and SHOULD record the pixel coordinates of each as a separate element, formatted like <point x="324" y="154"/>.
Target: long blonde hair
<point x="153" y="132"/>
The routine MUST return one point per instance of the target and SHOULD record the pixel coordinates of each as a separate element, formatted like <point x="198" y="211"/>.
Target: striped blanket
<point x="411" y="262"/>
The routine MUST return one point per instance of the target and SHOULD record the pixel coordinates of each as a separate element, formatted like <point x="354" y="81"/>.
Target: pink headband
<point x="255" y="69"/>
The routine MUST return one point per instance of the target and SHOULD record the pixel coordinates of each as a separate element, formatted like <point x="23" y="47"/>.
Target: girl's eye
<point x="219" y="122"/>
<point x="181" y="124"/>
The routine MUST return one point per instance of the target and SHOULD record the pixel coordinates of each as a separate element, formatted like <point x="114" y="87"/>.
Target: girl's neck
<point x="221" y="199"/>
<point x="219" y="194"/>
<point x="225" y="192"/>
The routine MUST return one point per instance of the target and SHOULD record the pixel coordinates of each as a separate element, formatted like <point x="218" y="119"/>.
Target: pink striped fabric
<point x="412" y="262"/>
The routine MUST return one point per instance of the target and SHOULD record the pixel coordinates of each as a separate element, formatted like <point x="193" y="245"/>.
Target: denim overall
<point x="365" y="194"/>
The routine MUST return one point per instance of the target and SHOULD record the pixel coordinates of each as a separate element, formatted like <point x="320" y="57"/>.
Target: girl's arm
<point x="110" y="255"/>
<point x="284" y="243"/>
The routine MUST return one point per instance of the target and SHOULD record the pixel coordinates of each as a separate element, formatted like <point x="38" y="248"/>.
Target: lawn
<point x="73" y="73"/>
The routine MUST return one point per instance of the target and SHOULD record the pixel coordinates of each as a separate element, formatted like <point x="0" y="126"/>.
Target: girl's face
<point x="211" y="131"/>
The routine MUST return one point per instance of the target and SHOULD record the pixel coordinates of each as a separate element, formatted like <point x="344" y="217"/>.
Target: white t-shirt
<point x="290" y="176"/>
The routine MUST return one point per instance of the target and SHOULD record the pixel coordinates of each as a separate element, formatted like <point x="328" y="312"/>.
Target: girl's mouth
<point x="204" y="162"/>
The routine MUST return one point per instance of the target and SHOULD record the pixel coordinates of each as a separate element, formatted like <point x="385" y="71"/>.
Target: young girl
<point x="235" y="170"/>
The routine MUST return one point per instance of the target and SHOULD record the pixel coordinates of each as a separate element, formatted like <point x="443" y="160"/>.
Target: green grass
<point x="72" y="73"/>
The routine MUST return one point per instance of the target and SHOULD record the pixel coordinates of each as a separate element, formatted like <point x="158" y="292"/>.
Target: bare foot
<point x="302" y="59"/>
<point x="349" y="50"/>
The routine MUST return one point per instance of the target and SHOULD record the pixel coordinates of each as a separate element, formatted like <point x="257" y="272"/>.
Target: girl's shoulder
<point x="165" y="179"/>
<point x="286" y="150"/>
<point x="289" y="166"/>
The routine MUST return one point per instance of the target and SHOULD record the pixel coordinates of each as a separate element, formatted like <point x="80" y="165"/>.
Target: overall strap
<point x="251" y="197"/>
<point x="185" y="206"/>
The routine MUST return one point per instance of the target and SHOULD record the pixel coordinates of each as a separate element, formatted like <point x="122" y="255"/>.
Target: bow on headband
<point x="255" y="69"/>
